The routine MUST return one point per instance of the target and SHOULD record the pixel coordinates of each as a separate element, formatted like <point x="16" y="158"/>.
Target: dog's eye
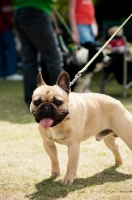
<point x="37" y="102"/>
<point x="58" y="103"/>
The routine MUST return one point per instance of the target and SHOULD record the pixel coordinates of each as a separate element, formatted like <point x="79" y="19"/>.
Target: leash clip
<point x="73" y="81"/>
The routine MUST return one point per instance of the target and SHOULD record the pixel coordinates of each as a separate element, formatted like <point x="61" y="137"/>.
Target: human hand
<point x="75" y="37"/>
<point x="95" y="29"/>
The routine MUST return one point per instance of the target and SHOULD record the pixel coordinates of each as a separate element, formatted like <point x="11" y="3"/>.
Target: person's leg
<point x="1" y="60"/>
<point x="10" y="52"/>
<point x="53" y="63"/>
<point x="86" y="34"/>
<point x="38" y="28"/>
<point x="29" y="59"/>
<point x="50" y="50"/>
<point x="44" y="71"/>
<point x="30" y="67"/>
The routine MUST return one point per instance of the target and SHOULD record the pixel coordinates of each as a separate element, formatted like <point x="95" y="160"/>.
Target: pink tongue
<point x="46" y="122"/>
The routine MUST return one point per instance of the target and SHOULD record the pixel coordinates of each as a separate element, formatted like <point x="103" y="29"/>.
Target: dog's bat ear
<point x="40" y="80"/>
<point x="63" y="81"/>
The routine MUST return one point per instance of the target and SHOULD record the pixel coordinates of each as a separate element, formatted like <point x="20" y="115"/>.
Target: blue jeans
<point x="86" y="34"/>
<point x="36" y="35"/>
<point x="8" y="54"/>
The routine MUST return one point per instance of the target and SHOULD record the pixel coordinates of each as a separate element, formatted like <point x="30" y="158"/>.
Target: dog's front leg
<point x="51" y="150"/>
<point x="73" y="157"/>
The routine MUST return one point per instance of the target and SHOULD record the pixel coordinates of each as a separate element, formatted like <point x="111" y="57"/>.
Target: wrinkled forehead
<point x="47" y="93"/>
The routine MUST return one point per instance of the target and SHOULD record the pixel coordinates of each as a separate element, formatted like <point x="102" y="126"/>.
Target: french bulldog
<point x="68" y="118"/>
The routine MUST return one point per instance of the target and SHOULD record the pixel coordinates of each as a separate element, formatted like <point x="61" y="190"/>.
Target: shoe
<point x="14" y="77"/>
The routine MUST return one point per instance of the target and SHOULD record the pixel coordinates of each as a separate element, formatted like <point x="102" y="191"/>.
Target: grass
<point x="25" y="166"/>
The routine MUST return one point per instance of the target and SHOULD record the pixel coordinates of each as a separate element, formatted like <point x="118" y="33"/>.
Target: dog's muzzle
<point x="49" y="110"/>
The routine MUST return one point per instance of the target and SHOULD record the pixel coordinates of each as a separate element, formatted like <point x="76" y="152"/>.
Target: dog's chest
<point x="59" y="135"/>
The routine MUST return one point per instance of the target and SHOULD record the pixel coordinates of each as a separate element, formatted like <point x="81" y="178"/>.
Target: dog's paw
<point x="55" y="174"/>
<point x="68" y="179"/>
<point x="118" y="162"/>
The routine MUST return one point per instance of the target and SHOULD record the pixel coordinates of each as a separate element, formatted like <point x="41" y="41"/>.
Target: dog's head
<point x="50" y="104"/>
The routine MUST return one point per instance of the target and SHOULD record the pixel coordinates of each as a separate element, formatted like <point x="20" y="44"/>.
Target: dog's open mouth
<point x="49" y="116"/>
<point x="46" y="122"/>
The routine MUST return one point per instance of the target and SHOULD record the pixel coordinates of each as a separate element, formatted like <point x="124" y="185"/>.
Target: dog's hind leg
<point x="122" y="126"/>
<point x="110" y="143"/>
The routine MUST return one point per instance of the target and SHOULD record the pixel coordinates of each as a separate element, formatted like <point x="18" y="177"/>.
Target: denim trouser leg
<point x="9" y="53"/>
<point x="1" y="59"/>
<point x="36" y="32"/>
<point x="86" y="33"/>
<point x="30" y="67"/>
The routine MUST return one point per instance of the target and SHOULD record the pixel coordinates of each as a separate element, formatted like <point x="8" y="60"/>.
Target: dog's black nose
<point x="47" y="107"/>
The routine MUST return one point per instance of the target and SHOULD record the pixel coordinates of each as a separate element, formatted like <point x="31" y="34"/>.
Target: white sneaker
<point x="14" y="77"/>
